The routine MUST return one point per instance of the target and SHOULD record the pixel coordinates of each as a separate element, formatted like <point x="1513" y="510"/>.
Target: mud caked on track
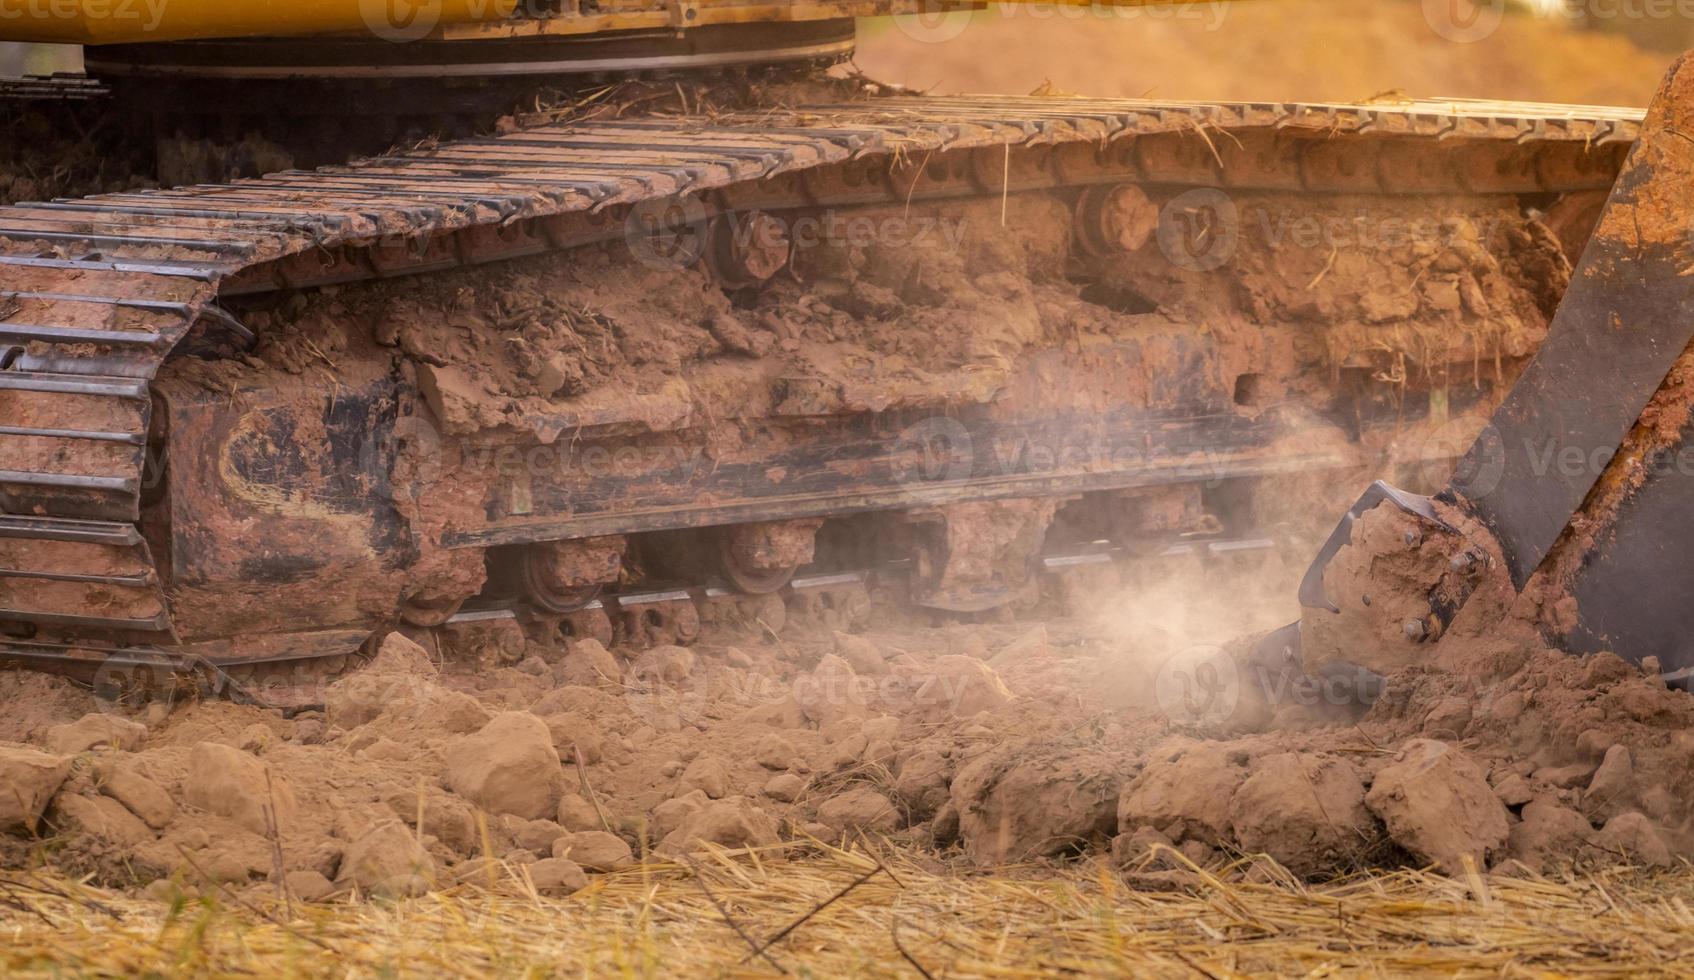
<point x="409" y="438"/>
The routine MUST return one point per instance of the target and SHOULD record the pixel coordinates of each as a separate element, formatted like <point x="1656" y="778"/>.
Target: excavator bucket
<point x="1575" y="506"/>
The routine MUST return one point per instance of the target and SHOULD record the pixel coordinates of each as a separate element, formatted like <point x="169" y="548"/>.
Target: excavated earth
<point x="1100" y="731"/>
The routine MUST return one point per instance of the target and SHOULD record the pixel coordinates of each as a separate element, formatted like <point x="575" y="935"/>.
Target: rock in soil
<point x="1437" y="805"/>
<point x="30" y="779"/>
<point x="388" y="861"/>
<point x="509" y="767"/>
<point x="1306" y="811"/>
<point x="595" y="850"/>
<point x="733" y="822"/>
<point x="231" y="783"/>
<point x="1032" y="801"/>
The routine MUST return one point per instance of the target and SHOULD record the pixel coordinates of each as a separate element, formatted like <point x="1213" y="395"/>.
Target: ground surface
<point x="907" y="923"/>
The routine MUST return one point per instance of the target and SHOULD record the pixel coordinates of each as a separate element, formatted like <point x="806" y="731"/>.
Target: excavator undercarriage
<point x="593" y="373"/>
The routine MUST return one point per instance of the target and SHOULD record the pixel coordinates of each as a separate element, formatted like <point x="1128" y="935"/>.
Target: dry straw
<point x="830" y="912"/>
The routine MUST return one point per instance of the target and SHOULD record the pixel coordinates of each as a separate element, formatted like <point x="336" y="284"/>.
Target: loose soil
<point x="1079" y="736"/>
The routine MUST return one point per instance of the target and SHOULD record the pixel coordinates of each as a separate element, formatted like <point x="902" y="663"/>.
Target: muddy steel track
<point x="95" y="294"/>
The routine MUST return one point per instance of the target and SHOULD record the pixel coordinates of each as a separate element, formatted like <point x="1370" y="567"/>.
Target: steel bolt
<point x="1415" y="629"/>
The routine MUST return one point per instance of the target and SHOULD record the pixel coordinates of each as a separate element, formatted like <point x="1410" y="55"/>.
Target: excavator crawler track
<point x="96" y="294"/>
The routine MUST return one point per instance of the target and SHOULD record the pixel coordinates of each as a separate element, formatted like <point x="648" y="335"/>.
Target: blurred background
<point x="38" y="59"/>
<point x="1583" y="51"/>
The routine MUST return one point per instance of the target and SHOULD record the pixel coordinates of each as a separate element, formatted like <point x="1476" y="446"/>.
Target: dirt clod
<point x="510" y="766"/>
<point x="557" y="876"/>
<point x="1307" y="812"/>
<point x="1185" y="793"/>
<point x="102" y="818"/>
<point x="30" y="779"/>
<point x="595" y="850"/>
<point x="1031" y="801"/>
<point x="733" y="822"/>
<point x="1436" y="804"/>
<point x="387" y="860"/>
<point x="859" y="809"/>
<point x="231" y="783"/>
<point x="589" y="664"/>
<point x="960" y="687"/>
<point x="96" y="731"/>
<point x="144" y="797"/>
<point x="308" y="886"/>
